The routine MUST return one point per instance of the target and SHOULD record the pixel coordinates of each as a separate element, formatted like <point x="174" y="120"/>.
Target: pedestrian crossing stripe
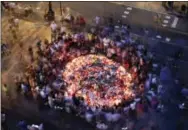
<point x="167" y="39"/>
<point x="158" y="36"/>
<point x="165" y="21"/>
<point x="167" y="17"/>
<point x="174" y="22"/>
<point x="126" y="12"/>
<point x="129" y="8"/>
<point x="124" y="16"/>
<point x="164" y="25"/>
<point x="116" y="27"/>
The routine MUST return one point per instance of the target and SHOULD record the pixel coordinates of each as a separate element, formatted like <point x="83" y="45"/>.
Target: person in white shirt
<point x="102" y="126"/>
<point x="50" y="101"/>
<point x="24" y="88"/>
<point x="48" y="89"/>
<point x="63" y="29"/>
<point x="133" y="105"/>
<point x="88" y="117"/>
<point x="115" y="117"/>
<point x="126" y="109"/>
<point x="147" y="84"/>
<point x="12" y="5"/>
<point x="42" y="94"/>
<point x="75" y="37"/>
<point x="53" y="26"/>
<point x="119" y="44"/>
<point x="52" y="51"/>
<point x="160" y="89"/>
<point x="108" y="116"/>
<point x="154" y="80"/>
<point x="68" y="17"/>
<point x="41" y="127"/>
<point x="106" y="42"/>
<point x="56" y="46"/>
<point x="111" y="52"/>
<point x="16" y="22"/>
<point x="97" y="20"/>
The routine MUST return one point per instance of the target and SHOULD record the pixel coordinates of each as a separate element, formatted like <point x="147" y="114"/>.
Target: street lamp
<point x="60" y="9"/>
<point x="50" y="16"/>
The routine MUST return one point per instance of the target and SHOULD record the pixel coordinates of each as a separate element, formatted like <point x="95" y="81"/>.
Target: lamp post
<point x="50" y="16"/>
<point x="60" y="9"/>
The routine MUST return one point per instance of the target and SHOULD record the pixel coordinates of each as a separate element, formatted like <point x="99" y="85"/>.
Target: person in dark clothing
<point x="39" y="51"/>
<point x="3" y="122"/>
<point x="5" y="5"/>
<point x="178" y="54"/>
<point x="180" y="124"/>
<point x="40" y="102"/>
<point x="22" y="125"/>
<point x="132" y="114"/>
<point x="39" y="44"/>
<point x="30" y="50"/>
<point x="76" y="100"/>
<point x="110" y="20"/>
<point x="18" y="85"/>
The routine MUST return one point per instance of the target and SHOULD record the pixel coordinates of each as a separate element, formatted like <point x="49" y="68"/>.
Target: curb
<point x="165" y="13"/>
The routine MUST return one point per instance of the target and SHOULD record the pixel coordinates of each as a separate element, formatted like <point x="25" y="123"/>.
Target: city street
<point x="135" y="17"/>
<point x="13" y="117"/>
<point x="15" y="64"/>
<point x="139" y="19"/>
<point x="34" y="28"/>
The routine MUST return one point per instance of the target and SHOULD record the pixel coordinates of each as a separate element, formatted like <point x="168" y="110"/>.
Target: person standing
<point x="4" y="122"/>
<point x="5" y="5"/>
<point x="22" y="125"/>
<point x="18" y="84"/>
<point x="54" y="27"/>
<point x="16" y="22"/>
<point x="106" y="42"/>
<point x="50" y="101"/>
<point x="97" y="21"/>
<point x="82" y="22"/>
<point x="5" y="90"/>
<point x="39" y="47"/>
<point x="30" y="50"/>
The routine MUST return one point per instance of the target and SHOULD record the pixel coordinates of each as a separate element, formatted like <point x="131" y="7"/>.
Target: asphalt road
<point x="53" y="120"/>
<point x="137" y="18"/>
<point x="182" y="24"/>
<point x="13" y="117"/>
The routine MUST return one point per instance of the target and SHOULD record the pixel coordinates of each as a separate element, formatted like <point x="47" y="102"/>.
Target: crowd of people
<point x="101" y="74"/>
<point x="100" y="81"/>
<point x="47" y="82"/>
<point x="24" y="126"/>
<point x="21" y="125"/>
<point x="15" y="9"/>
<point x="111" y="75"/>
